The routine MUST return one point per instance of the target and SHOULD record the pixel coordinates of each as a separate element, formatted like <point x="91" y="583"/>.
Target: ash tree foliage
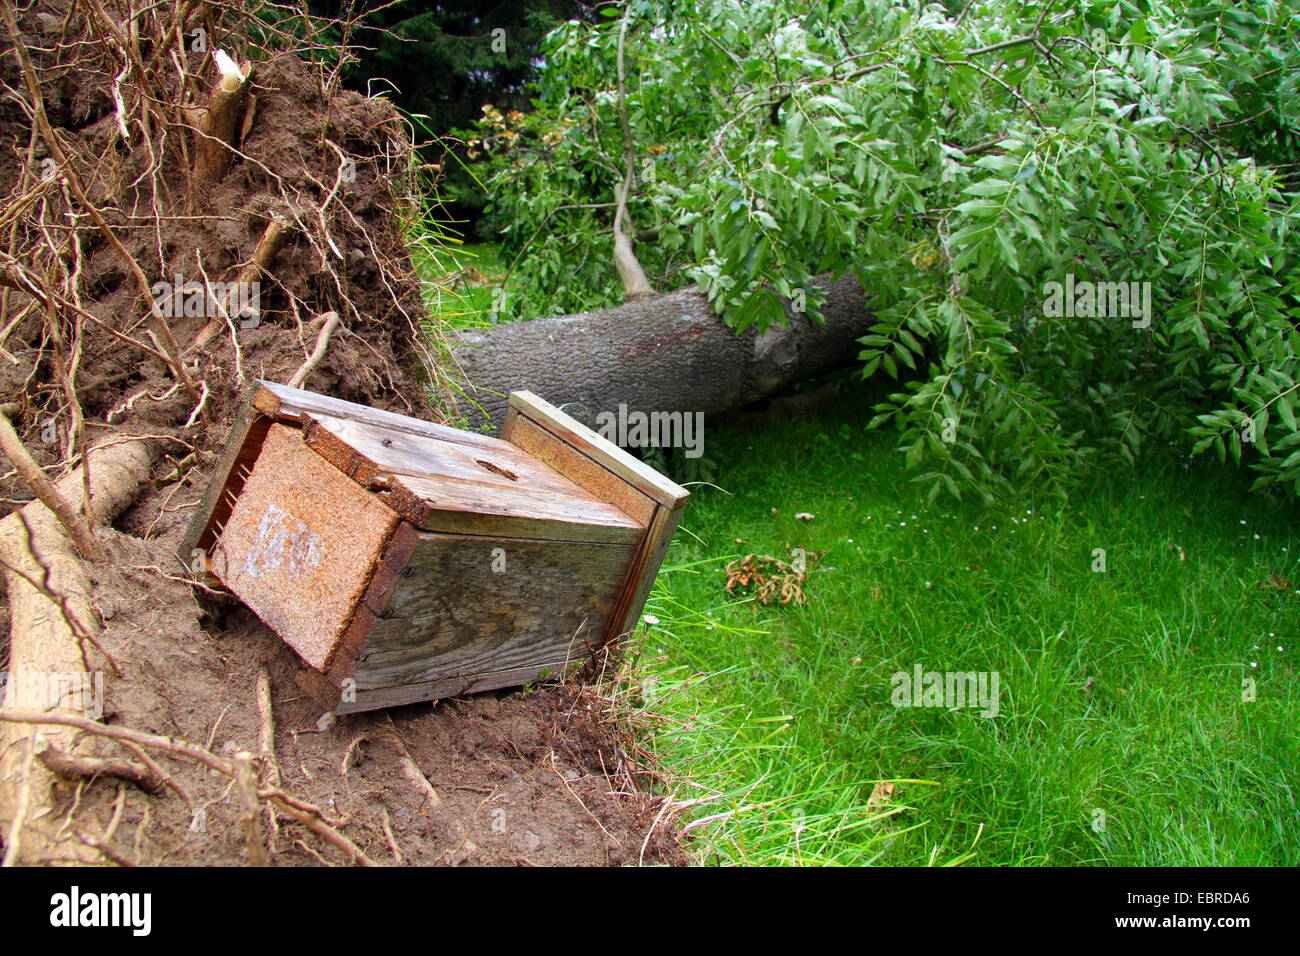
<point x="957" y="160"/>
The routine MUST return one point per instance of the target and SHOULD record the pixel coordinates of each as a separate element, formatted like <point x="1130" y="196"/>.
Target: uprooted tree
<point x="176" y="222"/>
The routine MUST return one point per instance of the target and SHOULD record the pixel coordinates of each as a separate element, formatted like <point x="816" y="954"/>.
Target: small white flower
<point x="650" y="619"/>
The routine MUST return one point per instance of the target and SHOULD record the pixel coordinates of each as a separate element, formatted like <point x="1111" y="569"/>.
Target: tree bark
<point x="659" y="353"/>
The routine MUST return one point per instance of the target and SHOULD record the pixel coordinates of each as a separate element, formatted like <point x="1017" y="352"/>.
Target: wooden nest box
<point x="406" y="561"/>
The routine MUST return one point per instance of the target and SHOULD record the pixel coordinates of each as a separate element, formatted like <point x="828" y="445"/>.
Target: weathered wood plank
<point x="512" y="471"/>
<point x="638" y="473"/>
<point x="398" y="694"/>
<point x="237" y="456"/>
<point x="456" y="505"/>
<point x="594" y="477"/>
<point x="302" y="545"/>
<point x="549" y="601"/>
<point x="450" y="496"/>
<point x="642" y="572"/>
<point x="289" y="403"/>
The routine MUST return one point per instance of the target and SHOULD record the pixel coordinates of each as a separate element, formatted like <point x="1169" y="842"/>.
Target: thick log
<point x="658" y="353"/>
<point x="44" y="643"/>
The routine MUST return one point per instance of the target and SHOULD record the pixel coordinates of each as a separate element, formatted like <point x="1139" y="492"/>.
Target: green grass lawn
<point x="460" y="281"/>
<point x="1122" y="736"/>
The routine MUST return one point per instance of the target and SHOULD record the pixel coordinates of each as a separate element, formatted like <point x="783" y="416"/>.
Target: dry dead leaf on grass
<point x="881" y="795"/>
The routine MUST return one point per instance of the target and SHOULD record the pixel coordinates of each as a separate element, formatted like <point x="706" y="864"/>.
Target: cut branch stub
<point x="217" y="126"/>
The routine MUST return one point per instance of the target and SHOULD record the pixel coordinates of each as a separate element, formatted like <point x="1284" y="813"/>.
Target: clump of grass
<point x="451" y="302"/>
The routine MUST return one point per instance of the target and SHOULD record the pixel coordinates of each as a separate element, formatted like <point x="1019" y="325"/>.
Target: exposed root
<point x="322" y="343"/>
<point x="300" y="810"/>
<point x="74" y="523"/>
<point x="73" y="766"/>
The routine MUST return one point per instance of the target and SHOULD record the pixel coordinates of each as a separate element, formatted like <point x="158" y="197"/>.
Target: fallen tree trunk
<point x="657" y="353"/>
<point x="52" y="650"/>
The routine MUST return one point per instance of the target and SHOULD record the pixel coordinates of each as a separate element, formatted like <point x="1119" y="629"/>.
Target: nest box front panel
<point x="301" y="545"/>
